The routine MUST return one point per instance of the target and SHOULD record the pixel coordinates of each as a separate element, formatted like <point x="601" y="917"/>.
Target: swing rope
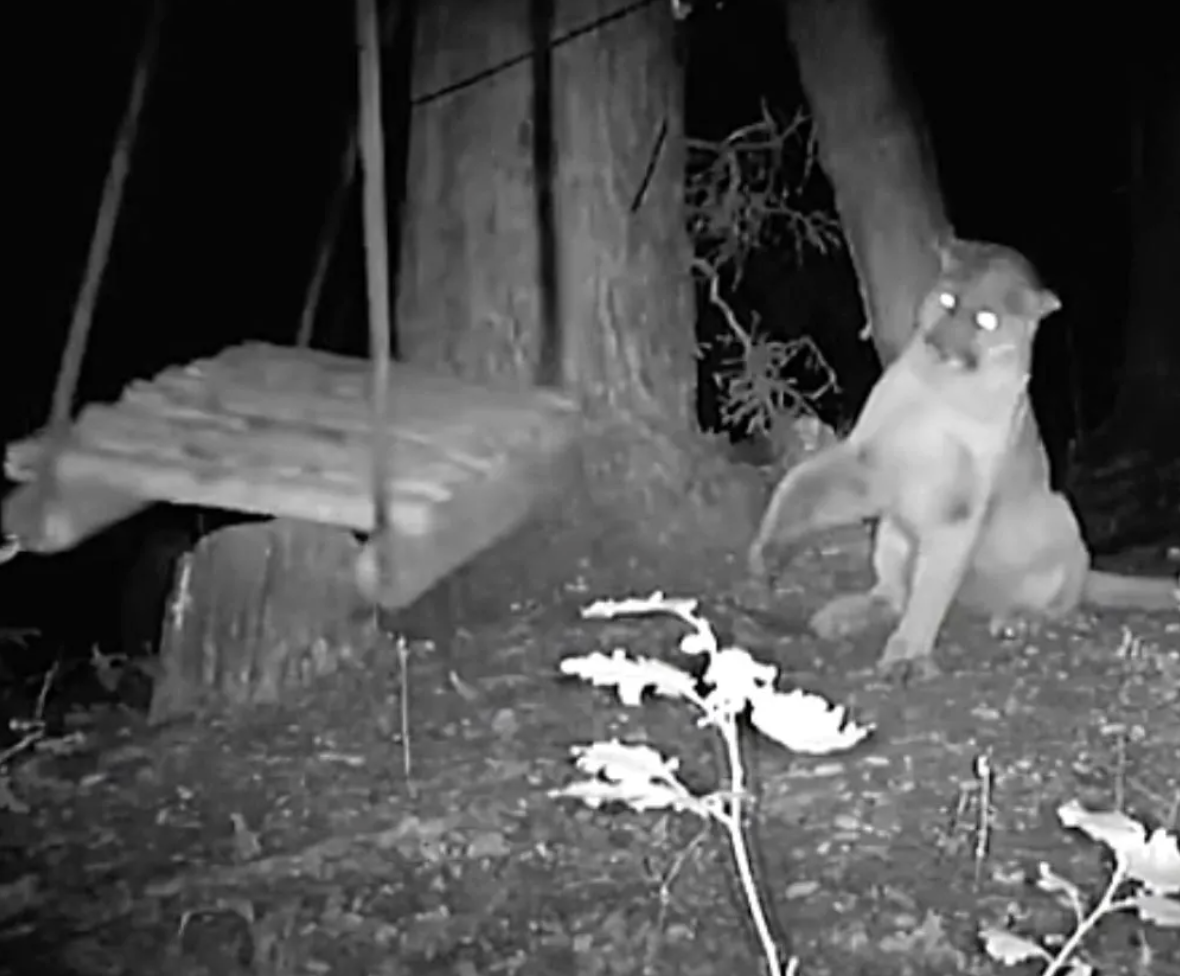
<point x="70" y="368"/>
<point x="330" y="234"/>
<point x="372" y="158"/>
<point x="327" y="245"/>
<point x="32" y="513"/>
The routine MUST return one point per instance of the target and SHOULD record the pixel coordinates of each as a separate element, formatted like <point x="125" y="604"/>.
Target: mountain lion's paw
<point x="904" y="661"/>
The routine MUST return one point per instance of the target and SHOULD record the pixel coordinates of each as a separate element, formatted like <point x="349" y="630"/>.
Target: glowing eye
<point x="947" y="301"/>
<point x="988" y="321"/>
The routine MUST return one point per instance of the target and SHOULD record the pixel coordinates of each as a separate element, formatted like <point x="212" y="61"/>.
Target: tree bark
<point x="1126" y="479"/>
<point x="873" y="149"/>
<point x="1149" y="388"/>
<point x="468" y="288"/>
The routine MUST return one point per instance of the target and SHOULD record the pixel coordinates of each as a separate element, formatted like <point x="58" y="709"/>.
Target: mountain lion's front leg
<point x="942" y="559"/>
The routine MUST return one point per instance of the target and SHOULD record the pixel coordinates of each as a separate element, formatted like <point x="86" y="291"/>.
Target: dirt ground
<point x="315" y="838"/>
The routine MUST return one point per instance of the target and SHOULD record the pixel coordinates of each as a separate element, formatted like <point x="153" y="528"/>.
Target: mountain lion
<point x="947" y="457"/>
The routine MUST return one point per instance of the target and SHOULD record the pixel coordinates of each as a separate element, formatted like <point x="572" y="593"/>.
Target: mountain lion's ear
<point x="1047" y="303"/>
<point x="945" y="258"/>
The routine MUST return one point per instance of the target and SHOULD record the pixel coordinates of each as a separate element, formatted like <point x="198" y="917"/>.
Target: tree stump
<point x="256" y="611"/>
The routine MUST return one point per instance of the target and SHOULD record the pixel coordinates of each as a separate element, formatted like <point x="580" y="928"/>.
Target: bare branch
<point x="742" y="194"/>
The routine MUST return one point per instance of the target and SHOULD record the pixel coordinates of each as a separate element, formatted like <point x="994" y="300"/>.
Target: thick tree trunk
<point x="873" y="149"/>
<point x="1126" y="481"/>
<point x="468" y="288"/>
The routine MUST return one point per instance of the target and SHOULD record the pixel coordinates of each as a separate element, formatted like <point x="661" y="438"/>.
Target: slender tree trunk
<point x="1149" y="387"/>
<point x="873" y="149"/>
<point x="1126" y="481"/>
<point x="468" y="288"/>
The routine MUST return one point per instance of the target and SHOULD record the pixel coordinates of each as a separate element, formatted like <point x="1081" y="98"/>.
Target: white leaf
<point x="684" y="608"/>
<point x="637" y="796"/>
<point x="736" y="678"/>
<point x="1122" y="834"/>
<point x="1157" y="863"/>
<point x="624" y="759"/>
<point x="1008" y="947"/>
<point x="699" y="642"/>
<point x="630" y="677"/>
<point x="805" y="722"/>
<point x="636" y="775"/>
<point x="735" y="667"/>
<point x="609" y="609"/>
<point x="1055" y="884"/>
<point x="1154" y="860"/>
<point x="1158" y="909"/>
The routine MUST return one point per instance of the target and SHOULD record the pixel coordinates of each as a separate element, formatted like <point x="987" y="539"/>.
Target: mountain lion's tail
<point x="1116" y="592"/>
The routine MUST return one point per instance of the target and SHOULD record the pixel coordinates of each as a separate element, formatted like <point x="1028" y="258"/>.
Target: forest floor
<point x="310" y="838"/>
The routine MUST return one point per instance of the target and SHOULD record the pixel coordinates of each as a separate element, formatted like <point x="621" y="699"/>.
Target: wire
<point x="551" y="351"/>
<point x="512" y="62"/>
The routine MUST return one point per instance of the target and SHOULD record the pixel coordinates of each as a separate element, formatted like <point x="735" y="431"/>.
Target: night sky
<point x="248" y="113"/>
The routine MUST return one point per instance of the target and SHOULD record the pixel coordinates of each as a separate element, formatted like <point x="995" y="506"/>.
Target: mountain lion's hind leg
<point x="851" y="613"/>
<point x="828" y="490"/>
<point x="1029" y="566"/>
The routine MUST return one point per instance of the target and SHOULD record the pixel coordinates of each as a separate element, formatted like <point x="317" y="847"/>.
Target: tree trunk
<point x="1126" y="480"/>
<point x="873" y="149"/>
<point x="468" y="287"/>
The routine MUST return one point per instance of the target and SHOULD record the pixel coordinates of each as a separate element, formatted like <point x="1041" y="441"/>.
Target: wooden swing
<point x="291" y="431"/>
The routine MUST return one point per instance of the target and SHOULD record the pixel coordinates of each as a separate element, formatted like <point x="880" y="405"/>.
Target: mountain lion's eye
<point x="988" y="321"/>
<point x="947" y="301"/>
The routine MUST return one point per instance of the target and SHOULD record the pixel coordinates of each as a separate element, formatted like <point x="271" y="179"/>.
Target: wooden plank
<point x="211" y="455"/>
<point x="474" y="520"/>
<point x="285" y="432"/>
<point x="222" y="473"/>
<point x="348" y="376"/>
<point x="285" y="449"/>
<point x="468" y="424"/>
<point x="313" y="448"/>
<point x="260" y="492"/>
<point x="56" y="516"/>
<point x="211" y="442"/>
<point x="472" y="439"/>
<point x="468" y="434"/>
<point x="330" y="390"/>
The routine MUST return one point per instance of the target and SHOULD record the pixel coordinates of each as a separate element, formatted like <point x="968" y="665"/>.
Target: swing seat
<point x="274" y="430"/>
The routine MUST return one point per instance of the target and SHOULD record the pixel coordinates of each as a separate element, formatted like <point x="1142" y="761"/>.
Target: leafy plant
<point x="1145" y="880"/>
<point x="733" y="683"/>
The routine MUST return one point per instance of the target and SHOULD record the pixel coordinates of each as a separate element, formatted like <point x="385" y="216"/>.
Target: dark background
<point x="1031" y="114"/>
